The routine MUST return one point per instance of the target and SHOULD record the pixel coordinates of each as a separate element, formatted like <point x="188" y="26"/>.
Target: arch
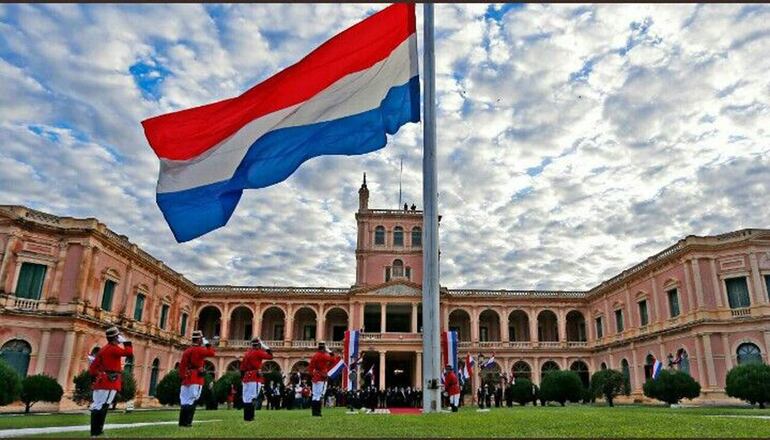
<point x="460" y="321"/>
<point x="379" y="235"/>
<point x="154" y="372"/>
<point x="270" y="366"/>
<point x="581" y="368"/>
<point x="603" y="366"/>
<point x="489" y="326"/>
<point x="210" y="321"/>
<point x="521" y="369"/>
<point x="547" y="367"/>
<point x="576" y="327"/>
<point x="17" y="352"/>
<point x="336" y="321"/>
<point x="234" y="366"/>
<point x="398" y="236"/>
<point x="518" y="326"/>
<point x="748" y="352"/>
<point x="547" y="326"/>
<point x="273" y="324"/>
<point x="416" y="237"/>
<point x="305" y="324"/>
<point x="626" y="370"/>
<point x="241" y="324"/>
<point x="397" y="269"/>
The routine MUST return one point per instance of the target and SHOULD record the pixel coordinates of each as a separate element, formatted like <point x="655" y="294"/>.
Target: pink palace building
<point x="64" y="280"/>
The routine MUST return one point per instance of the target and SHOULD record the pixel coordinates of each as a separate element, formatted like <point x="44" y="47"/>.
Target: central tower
<point x="389" y="243"/>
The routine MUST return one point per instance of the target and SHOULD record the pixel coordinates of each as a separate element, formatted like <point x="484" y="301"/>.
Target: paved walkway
<point x="6" y="433"/>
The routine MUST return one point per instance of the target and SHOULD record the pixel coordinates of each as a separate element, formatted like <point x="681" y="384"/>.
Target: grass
<point x="572" y="421"/>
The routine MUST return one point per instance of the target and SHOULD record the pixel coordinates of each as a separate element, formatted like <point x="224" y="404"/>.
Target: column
<point x="562" y="326"/>
<point x="78" y="352"/>
<point x="701" y="366"/>
<point x="766" y="334"/>
<point x="94" y="281"/>
<point x="504" y="335"/>
<point x="715" y="282"/>
<point x="69" y="344"/>
<point x="6" y="263"/>
<point x="659" y="314"/>
<point x="225" y="323"/>
<point x="221" y="366"/>
<point x="698" y="282"/>
<point x="727" y="351"/>
<point x="383" y="317"/>
<point x="418" y="370"/>
<point x="42" y="354"/>
<point x="475" y="325"/>
<point x="382" y="369"/>
<point x="756" y="277"/>
<point x="688" y="286"/>
<point x="414" y="318"/>
<point x="533" y="327"/>
<point x="536" y="371"/>
<point x="127" y="290"/>
<point x="320" y="327"/>
<point x="638" y="379"/>
<point x="143" y="382"/>
<point x="58" y="272"/>
<point x="288" y="331"/>
<point x="256" y="322"/>
<point x="86" y="267"/>
<point x="712" y="377"/>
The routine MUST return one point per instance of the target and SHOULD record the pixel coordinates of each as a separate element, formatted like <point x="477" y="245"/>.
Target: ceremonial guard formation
<point x="106" y="372"/>
<point x="251" y="375"/>
<point x="452" y="387"/>
<point x="319" y="366"/>
<point x="191" y="373"/>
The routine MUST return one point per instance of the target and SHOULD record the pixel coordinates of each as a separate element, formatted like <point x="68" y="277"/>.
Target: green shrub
<point x="82" y="393"/>
<point x="39" y="388"/>
<point x="671" y="387"/>
<point x="561" y="386"/>
<point x="749" y="382"/>
<point x="207" y="397"/>
<point x="128" y="388"/>
<point x="10" y="384"/>
<point x="167" y="390"/>
<point x="608" y="384"/>
<point x="222" y="388"/>
<point x="522" y="391"/>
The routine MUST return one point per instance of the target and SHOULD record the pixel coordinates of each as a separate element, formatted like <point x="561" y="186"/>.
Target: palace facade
<point x="64" y="280"/>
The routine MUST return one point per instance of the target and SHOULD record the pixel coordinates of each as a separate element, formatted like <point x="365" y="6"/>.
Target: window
<point x="154" y="376"/>
<point x="139" y="307"/>
<point x="483" y="334"/>
<point x="737" y="292"/>
<point x="163" y="316"/>
<point x="398" y="236"/>
<point x="748" y="353"/>
<point x="673" y="303"/>
<point x="183" y="325"/>
<point x="599" y="328"/>
<point x="30" y="284"/>
<point x="379" y="235"/>
<point x="109" y="291"/>
<point x="417" y="237"/>
<point x="619" y="320"/>
<point x="398" y="269"/>
<point x="626" y="374"/>
<point x="682" y="360"/>
<point x="767" y="285"/>
<point x="643" y="318"/>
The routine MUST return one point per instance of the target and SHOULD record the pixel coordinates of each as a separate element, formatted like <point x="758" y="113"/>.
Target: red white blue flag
<point x="449" y="349"/>
<point x="489" y="362"/>
<point x="337" y="369"/>
<point x="657" y="367"/>
<point x="342" y="98"/>
<point x="350" y="356"/>
<point x="467" y="370"/>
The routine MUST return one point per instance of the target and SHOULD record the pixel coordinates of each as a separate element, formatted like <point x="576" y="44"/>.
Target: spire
<point x="363" y="197"/>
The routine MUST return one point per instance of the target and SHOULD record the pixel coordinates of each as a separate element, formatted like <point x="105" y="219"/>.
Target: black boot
<point x="191" y="414"/>
<point x="183" y="415"/>
<point x="248" y="411"/>
<point x="96" y="428"/>
<point x="454" y="408"/>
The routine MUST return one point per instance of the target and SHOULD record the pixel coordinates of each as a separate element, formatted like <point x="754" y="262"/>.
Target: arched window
<point x="521" y="369"/>
<point x="154" y="376"/>
<point x="581" y="369"/>
<point x="604" y="366"/>
<point x="626" y="373"/>
<point x="416" y="237"/>
<point x="16" y="353"/>
<point x="683" y="360"/>
<point x="398" y="269"/>
<point x="649" y="362"/>
<point x="547" y="368"/>
<point x="748" y="352"/>
<point x="379" y="235"/>
<point x="398" y="236"/>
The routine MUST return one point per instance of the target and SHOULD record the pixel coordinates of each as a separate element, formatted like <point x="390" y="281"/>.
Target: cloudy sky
<point x="574" y="141"/>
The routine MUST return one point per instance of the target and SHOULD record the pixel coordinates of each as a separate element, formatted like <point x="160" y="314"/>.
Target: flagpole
<point x="431" y="367"/>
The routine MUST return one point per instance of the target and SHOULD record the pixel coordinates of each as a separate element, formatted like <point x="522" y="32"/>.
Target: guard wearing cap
<point x="452" y="387"/>
<point x="106" y="371"/>
<point x="191" y="372"/>
<point x="319" y="366"/>
<point x="251" y="375"/>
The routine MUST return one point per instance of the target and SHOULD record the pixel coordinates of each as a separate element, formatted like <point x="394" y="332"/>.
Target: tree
<point x="207" y="397"/>
<point x="82" y="393"/>
<point x="671" y="387"/>
<point x="39" y="388"/>
<point x="750" y="382"/>
<point x="607" y="384"/>
<point x="167" y="390"/>
<point x="223" y="385"/>
<point x="561" y="386"/>
<point x="10" y="384"/>
<point x="522" y="391"/>
<point x="128" y="388"/>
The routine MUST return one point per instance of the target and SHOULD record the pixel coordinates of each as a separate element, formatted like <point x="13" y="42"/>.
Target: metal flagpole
<point x="431" y="367"/>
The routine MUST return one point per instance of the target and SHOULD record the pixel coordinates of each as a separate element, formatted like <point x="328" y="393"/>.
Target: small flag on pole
<point x="489" y="362"/>
<point x="449" y="344"/>
<point x="350" y="354"/>
<point x="337" y="369"/>
<point x="657" y="367"/>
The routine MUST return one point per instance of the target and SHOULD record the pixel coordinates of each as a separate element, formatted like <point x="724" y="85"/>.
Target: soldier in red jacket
<point x="192" y="374"/>
<point x="251" y="375"/>
<point x="452" y="387"/>
<point x="318" y="368"/>
<point x="106" y="371"/>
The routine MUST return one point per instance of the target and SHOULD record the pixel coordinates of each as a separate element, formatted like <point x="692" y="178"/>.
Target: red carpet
<point x="405" y="410"/>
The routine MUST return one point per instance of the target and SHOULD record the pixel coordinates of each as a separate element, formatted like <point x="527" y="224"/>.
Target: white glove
<point x="205" y="341"/>
<point x="121" y="339"/>
<point x="264" y="346"/>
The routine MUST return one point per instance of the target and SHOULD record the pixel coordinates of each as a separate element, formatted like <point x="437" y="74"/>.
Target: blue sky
<point x="574" y="140"/>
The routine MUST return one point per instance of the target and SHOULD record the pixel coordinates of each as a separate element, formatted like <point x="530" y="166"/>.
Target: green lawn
<point x="572" y="421"/>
